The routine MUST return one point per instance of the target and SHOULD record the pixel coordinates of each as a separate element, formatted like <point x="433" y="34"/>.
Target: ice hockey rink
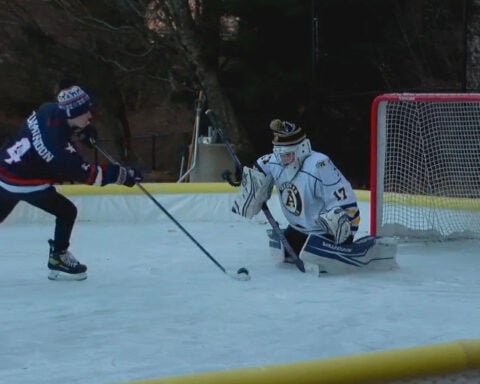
<point x="154" y="305"/>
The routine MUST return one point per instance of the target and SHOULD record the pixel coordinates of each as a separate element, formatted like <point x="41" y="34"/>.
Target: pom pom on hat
<point x="286" y="133"/>
<point x="74" y="101"/>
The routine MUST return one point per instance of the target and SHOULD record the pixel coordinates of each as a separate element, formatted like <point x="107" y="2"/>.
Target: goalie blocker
<point x="323" y="256"/>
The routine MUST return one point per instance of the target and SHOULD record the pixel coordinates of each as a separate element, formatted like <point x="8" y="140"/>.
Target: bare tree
<point x="170" y="41"/>
<point x="194" y="38"/>
<point x="473" y="45"/>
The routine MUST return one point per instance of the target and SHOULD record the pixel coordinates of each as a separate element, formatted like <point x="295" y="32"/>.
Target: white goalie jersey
<point x="316" y="188"/>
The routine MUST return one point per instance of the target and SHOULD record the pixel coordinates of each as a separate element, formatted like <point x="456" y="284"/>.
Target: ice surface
<point x="154" y="305"/>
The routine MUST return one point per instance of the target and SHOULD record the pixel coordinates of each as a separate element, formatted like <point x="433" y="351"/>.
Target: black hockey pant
<point x="295" y="238"/>
<point x="50" y="201"/>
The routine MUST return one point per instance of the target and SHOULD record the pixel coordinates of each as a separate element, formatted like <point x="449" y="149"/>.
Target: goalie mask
<point x="290" y="146"/>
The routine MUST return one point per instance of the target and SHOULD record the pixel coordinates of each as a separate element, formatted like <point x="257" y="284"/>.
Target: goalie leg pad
<point x="366" y="254"/>
<point x="255" y="189"/>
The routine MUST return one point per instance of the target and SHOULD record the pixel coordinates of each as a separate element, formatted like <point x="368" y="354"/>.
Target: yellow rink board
<point x="368" y="368"/>
<point x="80" y="189"/>
<point x="443" y="202"/>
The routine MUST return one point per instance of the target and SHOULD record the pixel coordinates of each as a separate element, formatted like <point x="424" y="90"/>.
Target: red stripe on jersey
<point x="8" y="178"/>
<point x="93" y="174"/>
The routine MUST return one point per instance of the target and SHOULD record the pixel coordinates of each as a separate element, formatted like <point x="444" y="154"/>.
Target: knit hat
<point x="74" y="101"/>
<point x="286" y="133"/>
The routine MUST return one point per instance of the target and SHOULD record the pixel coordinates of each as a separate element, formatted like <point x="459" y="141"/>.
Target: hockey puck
<point x="244" y="272"/>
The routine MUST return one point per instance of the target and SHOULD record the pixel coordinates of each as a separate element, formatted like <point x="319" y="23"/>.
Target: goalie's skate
<point x="64" y="266"/>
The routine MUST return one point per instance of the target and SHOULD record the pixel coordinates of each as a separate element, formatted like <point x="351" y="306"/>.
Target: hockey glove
<point x="255" y="189"/>
<point x="88" y="135"/>
<point x="133" y="176"/>
<point x="116" y="174"/>
<point x="335" y="223"/>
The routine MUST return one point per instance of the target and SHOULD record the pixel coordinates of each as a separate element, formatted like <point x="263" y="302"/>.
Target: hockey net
<point x="425" y="166"/>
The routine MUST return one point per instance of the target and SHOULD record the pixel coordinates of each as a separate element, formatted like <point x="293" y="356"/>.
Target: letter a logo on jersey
<point x="291" y="199"/>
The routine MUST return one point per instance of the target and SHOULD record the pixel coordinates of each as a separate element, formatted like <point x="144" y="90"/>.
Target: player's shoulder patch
<point x="318" y="160"/>
<point x="265" y="158"/>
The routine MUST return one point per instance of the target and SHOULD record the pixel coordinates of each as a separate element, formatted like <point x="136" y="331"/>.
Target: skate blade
<point x="61" y="276"/>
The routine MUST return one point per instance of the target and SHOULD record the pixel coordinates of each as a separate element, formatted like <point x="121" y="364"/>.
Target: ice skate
<point x="64" y="266"/>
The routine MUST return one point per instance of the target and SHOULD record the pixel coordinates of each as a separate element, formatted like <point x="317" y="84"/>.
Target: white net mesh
<point x="427" y="171"/>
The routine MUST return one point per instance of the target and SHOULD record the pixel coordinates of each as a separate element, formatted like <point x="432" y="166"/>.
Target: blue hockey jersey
<point x="42" y="154"/>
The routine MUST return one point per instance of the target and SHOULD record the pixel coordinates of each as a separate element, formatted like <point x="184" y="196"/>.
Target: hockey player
<point x="42" y="154"/>
<point x="317" y="200"/>
<point x="315" y="196"/>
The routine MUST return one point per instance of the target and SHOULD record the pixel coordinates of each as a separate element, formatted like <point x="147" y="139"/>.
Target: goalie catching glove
<point x="336" y="224"/>
<point x="255" y="189"/>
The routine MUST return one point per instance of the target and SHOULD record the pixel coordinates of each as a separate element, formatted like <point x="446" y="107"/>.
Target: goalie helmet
<point x="290" y="146"/>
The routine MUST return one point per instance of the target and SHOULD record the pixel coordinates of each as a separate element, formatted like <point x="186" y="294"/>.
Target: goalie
<point x="318" y="202"/>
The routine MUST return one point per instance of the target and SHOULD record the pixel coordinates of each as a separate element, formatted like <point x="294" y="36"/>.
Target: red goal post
<point x="425" y="165"/>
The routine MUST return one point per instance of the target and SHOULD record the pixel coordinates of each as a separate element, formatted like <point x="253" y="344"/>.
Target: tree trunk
<point x="472" y="64"/>
<point x="195" y="43"/>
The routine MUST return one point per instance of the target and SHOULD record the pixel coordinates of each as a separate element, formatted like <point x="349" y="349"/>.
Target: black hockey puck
<point x="243" y="272"/>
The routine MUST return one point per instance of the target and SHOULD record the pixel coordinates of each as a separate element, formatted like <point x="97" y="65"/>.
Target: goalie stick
<point x="241" y="274"/>
<point x="266" y="211"/>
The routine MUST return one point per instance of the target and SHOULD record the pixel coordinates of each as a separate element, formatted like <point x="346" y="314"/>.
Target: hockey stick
<point x="227" y="176"/>
<point x="266" y="211"/>
<point x="242" y="273"/>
